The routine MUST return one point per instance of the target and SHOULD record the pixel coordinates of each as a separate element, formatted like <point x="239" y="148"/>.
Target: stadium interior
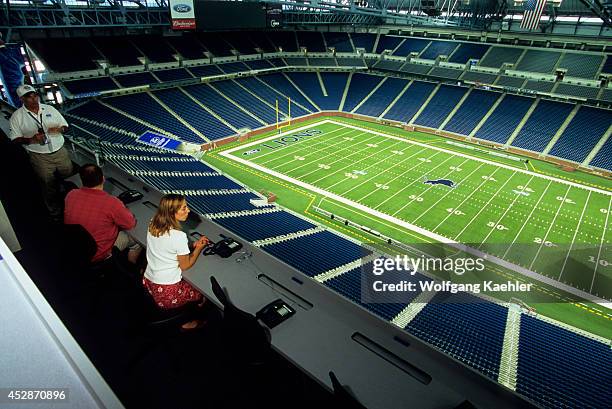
<point x="323" y="136"/>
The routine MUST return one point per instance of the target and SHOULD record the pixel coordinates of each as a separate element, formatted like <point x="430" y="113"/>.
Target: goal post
<point x="283" y="120"/>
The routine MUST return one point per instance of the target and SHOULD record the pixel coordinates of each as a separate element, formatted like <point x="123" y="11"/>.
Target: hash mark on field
<point x="447" y="193"/>
<point x="505" y="212"/>
<point x="552" y="223"/>
<point x="574" y="238"/>
<point x="369" y="166"/>
<point x="483" y="207"/>
<point x="527" y="220"/>
<point x="603" y="234"/>
<point x="468" y="196"/>
<point x="343" y="158"/>
<point x="319" y="158"/>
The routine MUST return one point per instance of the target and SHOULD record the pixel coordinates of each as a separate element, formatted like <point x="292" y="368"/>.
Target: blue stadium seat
<point x="438" y="108"/>
<point x="411" y="100"/>
<point x="437" y="48"/>
<point x="280" y="83"/>
<point x="504" y="120"/>
<point x="246" y="100"/>
<point x="271" y="96"/>
<point x="471" y="112"/>
<point x="361" y="86"/>
<point x="380" y="100"/>
<point x="582" y="134"/>
<point x="542" y="125"/>
<point x="136" y="79"/>
<point x="467" y="51"/>
<point x="175" y="74"/>
<point x="411" y="45"/>
<point x="276" y="224"/>
<point x="90" y="85"/>
<point x="339" y="41"/>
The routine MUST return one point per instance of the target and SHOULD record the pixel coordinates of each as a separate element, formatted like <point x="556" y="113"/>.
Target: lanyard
<point x="38" y="122"/>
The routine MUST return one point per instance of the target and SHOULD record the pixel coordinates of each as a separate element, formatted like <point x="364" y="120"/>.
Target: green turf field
<point x="555" y="225"/>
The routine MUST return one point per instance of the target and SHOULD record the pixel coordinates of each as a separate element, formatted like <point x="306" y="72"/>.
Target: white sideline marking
<point x="462" y="247"/>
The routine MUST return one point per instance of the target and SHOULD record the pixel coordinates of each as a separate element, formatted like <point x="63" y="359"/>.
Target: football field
<point x="495" y="204"/>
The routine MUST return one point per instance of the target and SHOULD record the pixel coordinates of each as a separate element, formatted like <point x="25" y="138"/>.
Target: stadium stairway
<point x="509" y="357"/>
<point x="413" y="309"/>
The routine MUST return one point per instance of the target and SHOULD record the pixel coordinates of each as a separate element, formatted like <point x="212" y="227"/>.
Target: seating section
<point x="206" y="70"/>
<point x="186" y="182"/>
<point x="465" y="327"/>
<point x="350" y="62"/>
<point x="296" y="61"/>
<point x="188" y="46"/>
<point x="316" y="253"/>
<point x="339" y="41"/>
<point x="312" y="40"/>
<point x="155" y="114"/>
<point x="221" y="203"/>
<point x="259" y="64"/>
<point x="542" y="86"/>
<point x="542" y="125"/>
<point x="281" y="84"/>
<point x="582" y="134"/>
<point x="497" y="56"/>
<point x="382" y="97"/>
<point x="387" y="43"/>
<point x="361" y="85"/>
<point x="117" y="52"/>
<point x="322" y="62"/>
<point x="416" y="68"/>
<point x="445" y="72"/>
<point x="221" y="106"/>
<point x="135" y="80"/>
<point x="411" y="45"/>
<point x="507" y="81"/>
<point x="277" y="224"/>
<point x="481" y="77"/>
<point x="560" y="369"/>
<point x="603" y="158"/>
<point x="247" y="100"/>
<point x="164" y="164"/>
<point x="350" y="285"/>
<point x="194" y="114"/>
<point x="607" y="68"/>
<point x="437" y="48"/>
<point x="101" y="114"/>
<point x="271" y="96"/>
<point x="411" y="100"/>
<point x="60" y="56"/>
<point x="98" y="131"/>
<point x="471" y="112"/>
<point x="577" y="90"/>
<point x="176" y="74"/>
<point x="581" y="65"/>
<point x="388" y="65"/>
<point x="363" y="40"/>
<point x="504" y="120"/>
<point x="90" y="85"/>
<point x="468" y="51"/>
<point x="309" y="84"/>
<point x="539" y="61"/>
<point x="284" y="41"/>
<point x="232" y="67"/>
<point x="155" y="51"/>
<point x="440" y="105"/>
<point x="240" y="42"/>
<point x="215" y="43"/>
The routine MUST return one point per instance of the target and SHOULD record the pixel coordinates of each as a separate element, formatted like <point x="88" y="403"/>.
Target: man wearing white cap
<point x="39" y="128"/>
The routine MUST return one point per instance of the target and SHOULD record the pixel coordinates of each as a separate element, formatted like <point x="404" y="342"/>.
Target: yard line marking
<point x="507" y="210"/>
<point x="369" y="166"/>
<point x="319" y="159"/>
<point x="302" y="146"/>
<point x="527" y="220"/>
<point x="402" y="174"/>
<point x="484" y="207"/>
<point x="550" y="228"/>
<point x="431" y="187"/>
<point x="603" y="234"/>
<point x="574" y="238"/>
<point x="468" y="196"/>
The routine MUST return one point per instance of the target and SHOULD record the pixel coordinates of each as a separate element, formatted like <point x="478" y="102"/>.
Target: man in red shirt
<point x="101" y="214"/>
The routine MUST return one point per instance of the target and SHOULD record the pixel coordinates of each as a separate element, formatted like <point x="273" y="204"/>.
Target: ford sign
<point x="182" y="8"/>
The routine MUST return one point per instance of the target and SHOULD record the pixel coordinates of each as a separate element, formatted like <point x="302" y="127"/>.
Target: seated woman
<point x="168" y="256"/>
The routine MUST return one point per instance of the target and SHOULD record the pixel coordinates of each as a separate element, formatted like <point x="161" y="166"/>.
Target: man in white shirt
<point x="39" y="128"/>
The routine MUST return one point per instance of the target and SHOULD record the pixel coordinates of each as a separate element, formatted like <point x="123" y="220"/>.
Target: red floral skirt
<point x="168" y="296"/>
